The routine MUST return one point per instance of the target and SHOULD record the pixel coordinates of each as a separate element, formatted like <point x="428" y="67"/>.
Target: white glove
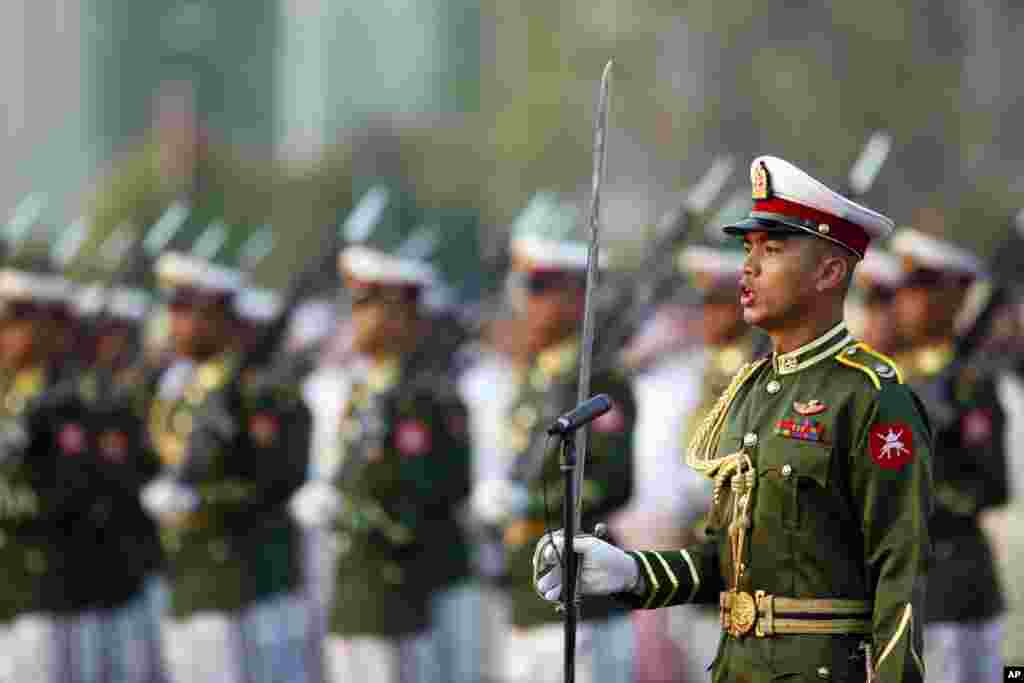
<point x="604" y="569"/>
<point x="496" y="501"/>
<point x="316" y="504"/>
<point x="166" y="498"/>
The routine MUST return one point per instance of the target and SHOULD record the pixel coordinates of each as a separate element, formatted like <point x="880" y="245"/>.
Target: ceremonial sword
<point x="574" y="458"/>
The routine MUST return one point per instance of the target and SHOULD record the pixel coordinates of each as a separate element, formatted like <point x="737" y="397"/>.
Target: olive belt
<point x="770" y="615"/>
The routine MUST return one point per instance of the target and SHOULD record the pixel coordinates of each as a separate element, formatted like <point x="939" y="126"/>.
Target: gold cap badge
<point x="760" y="182"/>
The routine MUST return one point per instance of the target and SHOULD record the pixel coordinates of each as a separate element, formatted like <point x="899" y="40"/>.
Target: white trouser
<point x="380" y="660"/>
<point x="33" y="648"/>
<point x="604" y="653"/>
<point x="697" y="629"/>
<point x="269" y="642"/>
<point x="964" y="652"/>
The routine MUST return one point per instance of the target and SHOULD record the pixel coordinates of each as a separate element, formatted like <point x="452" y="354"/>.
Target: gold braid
<point x="701" y="453"/>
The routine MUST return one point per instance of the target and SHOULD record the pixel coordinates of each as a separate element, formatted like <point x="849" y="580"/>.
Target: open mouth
<point x="746" y="296"/>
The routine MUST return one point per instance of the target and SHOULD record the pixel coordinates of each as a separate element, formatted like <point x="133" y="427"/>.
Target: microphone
<point x="586" y="412"/>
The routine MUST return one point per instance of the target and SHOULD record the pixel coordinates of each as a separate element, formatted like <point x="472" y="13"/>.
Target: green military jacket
<point x="43" y="492"/>
<point x="548" y="390"/>
<point x="404" y="472"/>
<point x="830" y="541"/>
<point x="971" y="475"/>
<point x="118" y="543"/>
<point x="240" y="545"/>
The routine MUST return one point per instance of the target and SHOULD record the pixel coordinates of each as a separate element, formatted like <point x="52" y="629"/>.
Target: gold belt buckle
<point x="742" y="613"/>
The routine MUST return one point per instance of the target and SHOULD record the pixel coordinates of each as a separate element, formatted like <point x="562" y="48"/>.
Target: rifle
<point x="652" y="282"/>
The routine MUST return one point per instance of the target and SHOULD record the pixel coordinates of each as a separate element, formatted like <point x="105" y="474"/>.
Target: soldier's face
<point x="778" y="280"/>
<point x="553" y="311"/>
<point x="17" y="342"/>
<point x="383" y="320"/>
<point x="927" y="312"/>
<point x="198" y="331"/>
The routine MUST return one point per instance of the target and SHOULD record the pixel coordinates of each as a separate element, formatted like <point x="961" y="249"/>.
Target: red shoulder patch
<point x="891" y="444"/>
<point x="976" y="427"/>
<point x="612" y="422"/>
<point x="263" y="429"/>
<point x="412" y="438"/>
<point x="71" y="439"/>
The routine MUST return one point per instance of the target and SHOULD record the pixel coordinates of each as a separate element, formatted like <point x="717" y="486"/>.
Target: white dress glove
<point x="497" y="501"/>
<point x="316" y="504"/>
<point x="604" y="569"/>
<point x="165" y="498"/>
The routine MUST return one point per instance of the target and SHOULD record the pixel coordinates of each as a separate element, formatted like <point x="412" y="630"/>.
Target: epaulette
<point x="878" y="367"/>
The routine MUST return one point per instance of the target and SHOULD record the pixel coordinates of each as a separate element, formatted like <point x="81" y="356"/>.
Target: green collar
<point x="825" y="346"/>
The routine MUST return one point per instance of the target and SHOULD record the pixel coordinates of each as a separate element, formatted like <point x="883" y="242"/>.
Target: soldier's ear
<point x="834" y="272"/>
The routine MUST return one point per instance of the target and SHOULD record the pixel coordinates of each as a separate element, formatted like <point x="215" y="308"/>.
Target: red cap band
<point x="850" y="235"/>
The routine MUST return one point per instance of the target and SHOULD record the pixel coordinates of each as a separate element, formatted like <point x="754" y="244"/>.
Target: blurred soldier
<point x="877" y="278"/>
<point x="44" y="487"/>
<point x="714" y="272"/>
<point x="232" y="551"/>
<point x="547" y="286"/>
<point x="818" y="533"/>
<point x="119" y="547"/>
<point x="392" y="493"/>
<point x="965" y="615"/>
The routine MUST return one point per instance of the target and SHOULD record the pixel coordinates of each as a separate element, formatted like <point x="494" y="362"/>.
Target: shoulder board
<point x="879" y="368"/>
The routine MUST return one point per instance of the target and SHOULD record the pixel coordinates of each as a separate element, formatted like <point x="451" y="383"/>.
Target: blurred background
<point x="480" y="103"/>
<point x="282" y="112"/>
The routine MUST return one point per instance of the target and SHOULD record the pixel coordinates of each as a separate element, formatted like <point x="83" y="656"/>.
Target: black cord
<point x="547" y="512"/>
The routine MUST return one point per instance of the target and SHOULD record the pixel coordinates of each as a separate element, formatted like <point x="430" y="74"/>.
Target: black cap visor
<point x="755" y="224"/>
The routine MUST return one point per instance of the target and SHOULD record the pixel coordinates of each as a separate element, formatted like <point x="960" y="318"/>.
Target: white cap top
<point x="879" y="268"/>
<point x="920" y="249"/>
<point x="174" y="269"/>
<point x="372" y="265"/>
<point x="29" y="286"/>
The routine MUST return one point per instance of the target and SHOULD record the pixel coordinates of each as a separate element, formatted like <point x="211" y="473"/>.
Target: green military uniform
<point x="404" y="471"/>
<point x="826" y="535"/>
<point x="240" y="545"/>
<point x="43" y="496"/>
<point x="971" y="475"/>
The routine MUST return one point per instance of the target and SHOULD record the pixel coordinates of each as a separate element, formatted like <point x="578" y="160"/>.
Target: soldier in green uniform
<point x="821" y="462"/>
<point x="964" y="624"/>
<point x="232" y="550"/>
<point x="43" y="487"/>
<point x="401" y="473"/>
<point x="118" y="542"/>
<point x="877" y="278"/>
<point x="547" y="285"/>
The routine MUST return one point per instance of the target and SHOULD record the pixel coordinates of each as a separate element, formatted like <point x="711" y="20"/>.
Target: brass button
<point x="787" y="470"/>
<point x="750" y="440"/>
<point x="773" y="387"/>
<point x="823" y="672"/>
<point x="824" y="228"/>
<point x="884" y="371"/>
<point x="852" y="351"/>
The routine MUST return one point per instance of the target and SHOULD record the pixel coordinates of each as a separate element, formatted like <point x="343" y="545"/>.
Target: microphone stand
<point x="570" y="560"/>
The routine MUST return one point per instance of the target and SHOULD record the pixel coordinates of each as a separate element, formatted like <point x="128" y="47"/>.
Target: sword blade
<point x="594" y="221"/>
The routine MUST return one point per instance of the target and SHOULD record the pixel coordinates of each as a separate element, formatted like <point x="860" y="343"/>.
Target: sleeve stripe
<point x="693" y="575"/>
<point x="671" y="577"/>
<point x="653" y="585"/>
